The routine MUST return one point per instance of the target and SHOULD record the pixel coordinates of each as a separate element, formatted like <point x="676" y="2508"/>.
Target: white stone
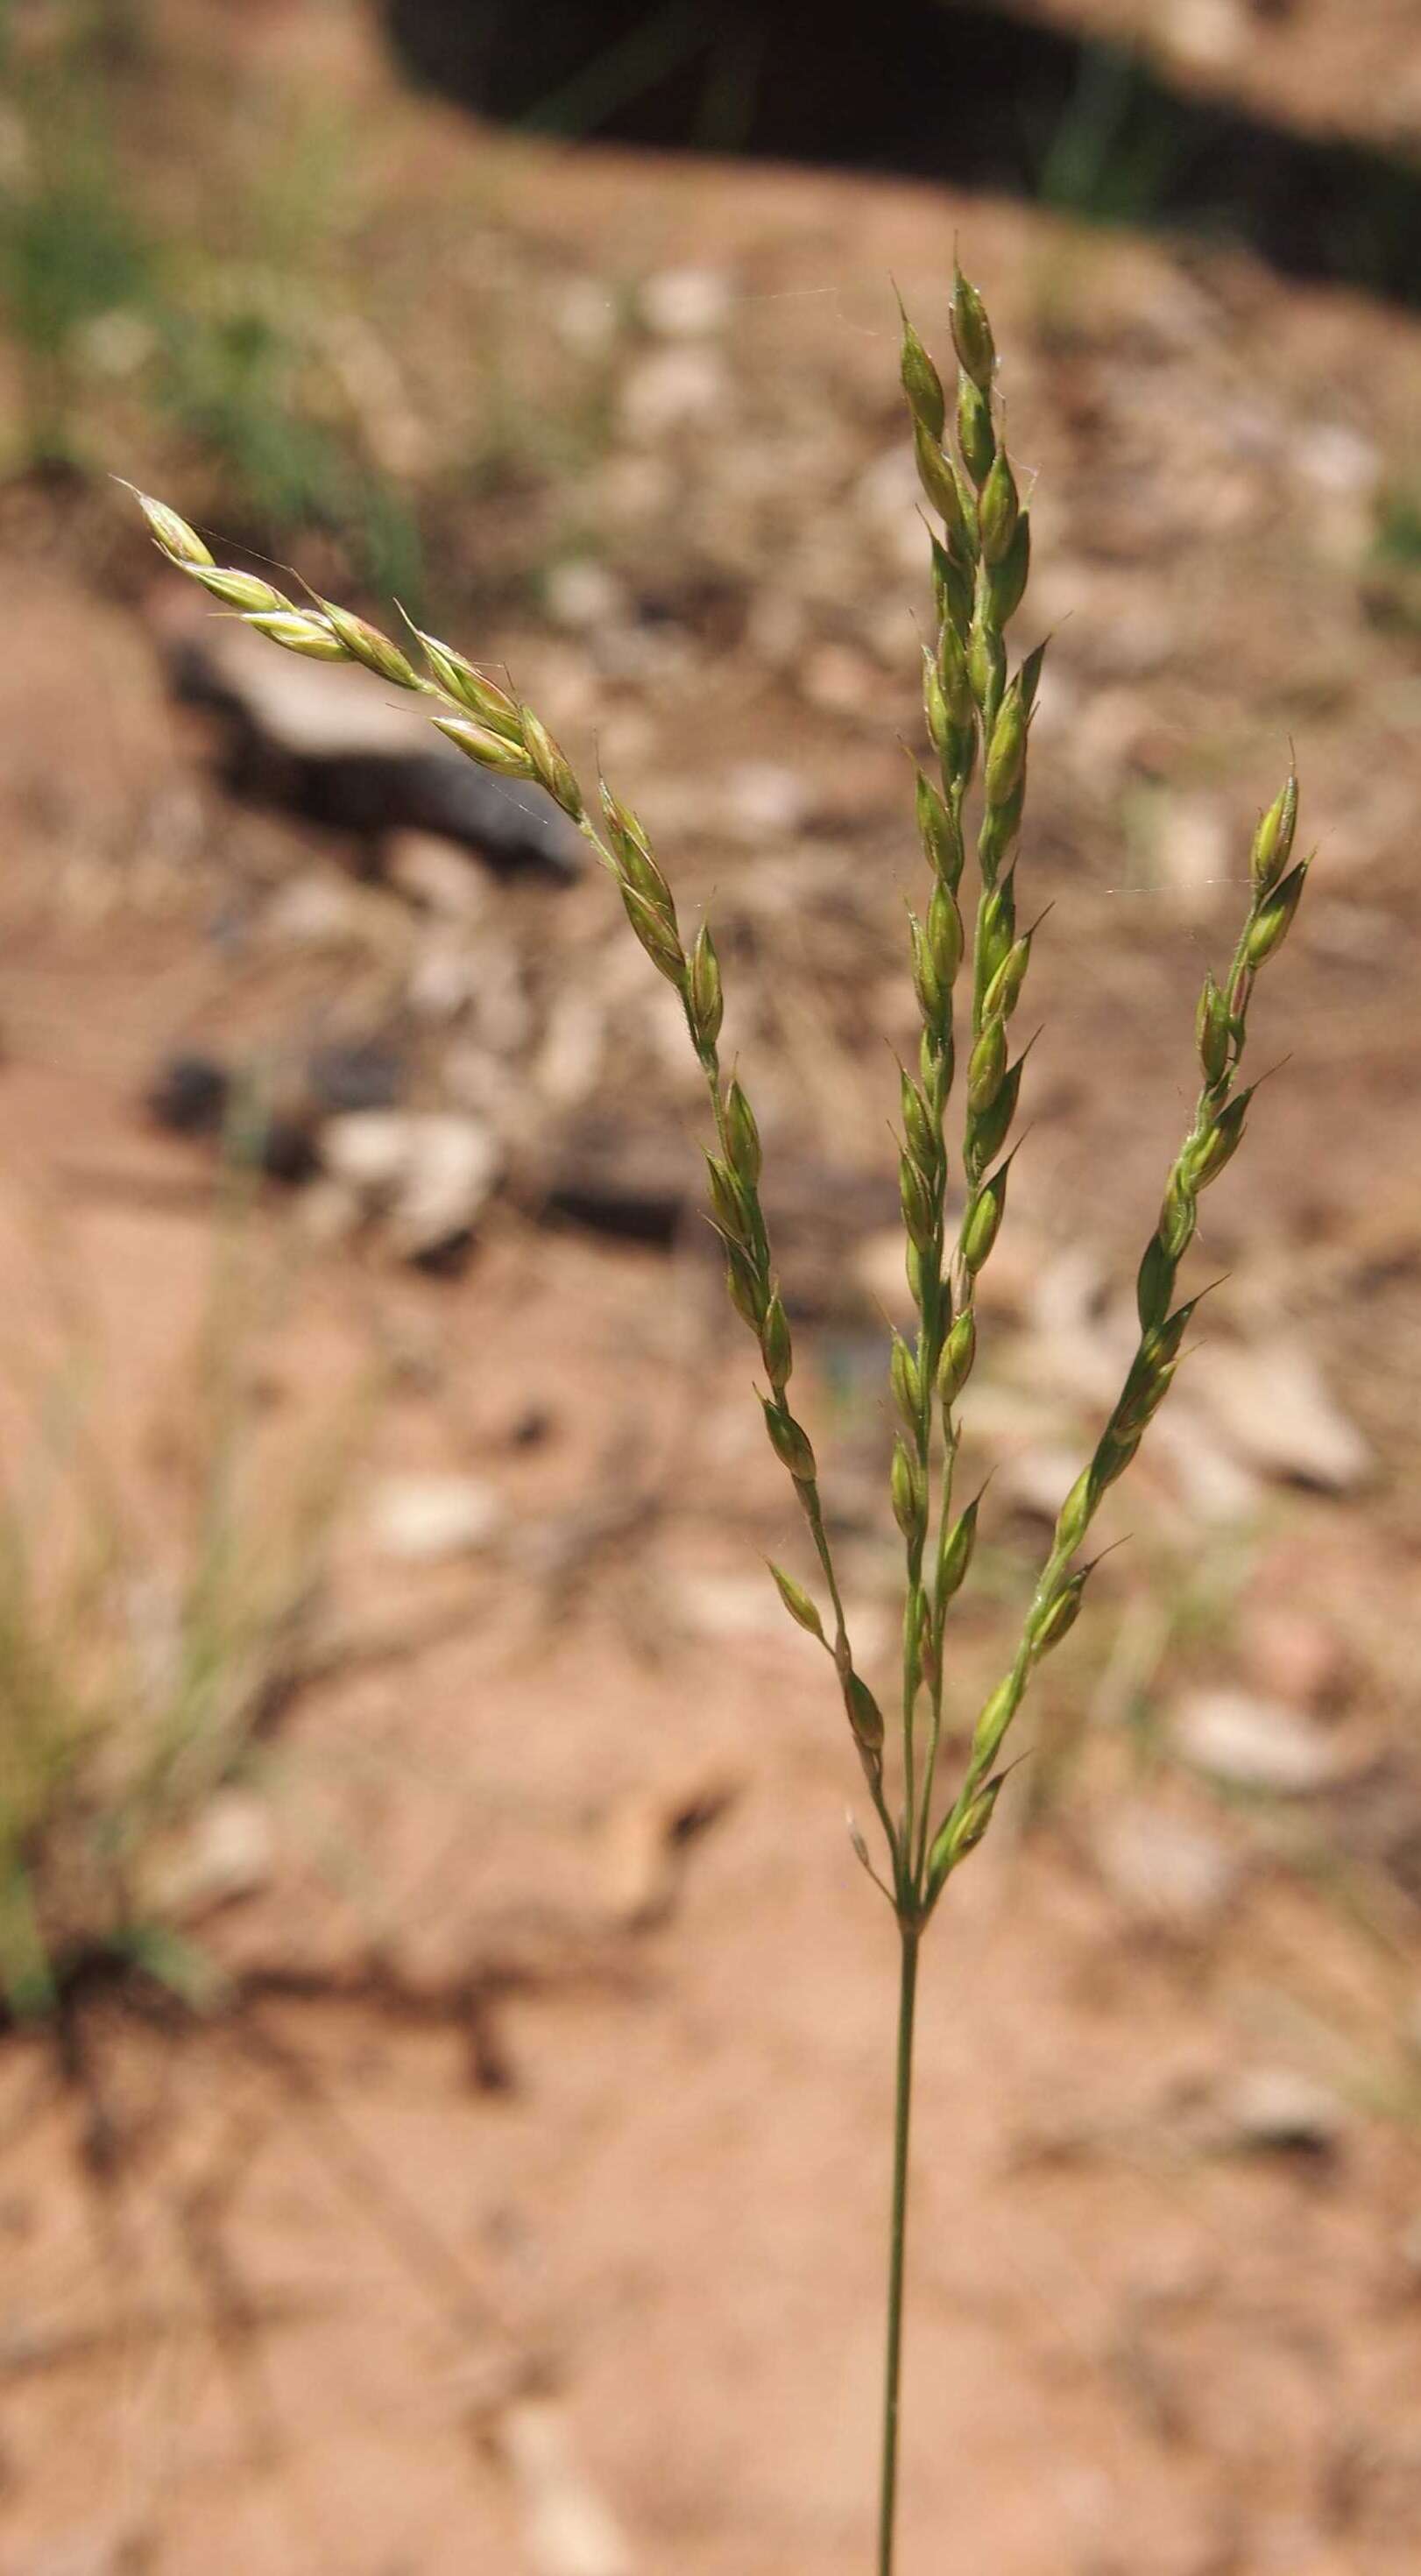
<point x="1274" y="1411"/>
<point x="581" y="593"/>
<point x="672" y="389"/>
<point x="226" y="1853"/>
<point x="423" y="1518"/>
<point x="1172" y="1872"/>
<point x="313" y="910"/>
<point x="685" y="303"/>
<point x="430" y="1170"/>
<point x="1259" y="1744"/>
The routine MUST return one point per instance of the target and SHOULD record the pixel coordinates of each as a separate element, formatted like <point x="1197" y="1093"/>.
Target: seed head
<point x="298" y="631"/>
<point x="1029" y="676"/>
<point x="938" y="478"/>
<point x="920" y="1133"/>
<point x="657" y="935"/>
<point x="1221" y="1142"/>
<point x="986" y="662"/>
<point x="952" y="671"/>
<point x="743" y="1283"/>
<point x="1006" y="588"/>
<point x="986" y="1068"/>
<point x="983" y="1220"/>
<point x="955" y="1547"/>
<point x="1000" y="825"/>
<point x="952" y="590"/>
<point x="243" y="590"/>
<point x="1211" y="1031"/>
<point x="993" y="1722"/>
<point x="1073" y="1518"/>
<point x="997" y="511"/>
<point x="1059" y="1615"/>
<point x="776" y="1347"/>
<point x="909" y="1491"/>
<point x="641" y="876"/>
<point x="365" y="644"/>
<point x="961" y="1834"/>
<point x="972" y="334"/>
<point x="865" y="1715"/>
<point x="906" y="1381"/>
<point x="1006" y="759"/>
<point x="936" y="711"/>
<point x="1179" y="1215"/>
<point x="550" y="765"/>
<point x="937" y="1061"/>
<point x="797" y="1602"/>
<point x="1155" y="1284"/>
<point x="944" y="934"/>
<point x="959" y="1350"/>
<point x="625" y="830"/>
<point x="1273" y="840"/>
<point x="942" y="845"/>
<point x="990" y="1131"/>
<point x="742" y="1136"/>
<point x="919" y="1215"/>
<point x="172" y="535"/>
<point x="491" y="750"/>
<point x="975" y="435"/>
<point x="996" y="928"/>
<point x="1163" y="1343"/>
<point x="927" y="983"/>
<point x="1113" y="1456"/>
<point x="1272" y="924"/>
<point x="1004" y="990"/>
<point x="922" y="384"/>
<point x="728" y="1203"/>
<point x="704" y="1000"/>
<point x="790" y="1442"/>
<point x="470" y="688"/>
<point x="1144" y="1392"/>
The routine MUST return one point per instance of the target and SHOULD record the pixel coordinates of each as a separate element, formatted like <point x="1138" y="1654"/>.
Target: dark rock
<point x="328" y="745"/>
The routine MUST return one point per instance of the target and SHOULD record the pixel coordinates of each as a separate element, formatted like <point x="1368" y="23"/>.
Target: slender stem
<point x="912" y="1649"/>
<point x="897" y="2244"/>
<point x="935" y="1716"/>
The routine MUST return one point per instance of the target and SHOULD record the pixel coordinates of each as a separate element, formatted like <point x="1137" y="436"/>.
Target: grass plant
<point x="137" y="1665"/>
<point x="226" y="330"/>
<point x="978" y="715"/>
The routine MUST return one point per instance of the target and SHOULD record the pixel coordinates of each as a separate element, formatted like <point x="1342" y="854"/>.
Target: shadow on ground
<point x="971" y="95"/>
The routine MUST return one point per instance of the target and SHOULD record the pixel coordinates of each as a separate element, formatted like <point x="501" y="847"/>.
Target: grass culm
<point x="978" y="713"/>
